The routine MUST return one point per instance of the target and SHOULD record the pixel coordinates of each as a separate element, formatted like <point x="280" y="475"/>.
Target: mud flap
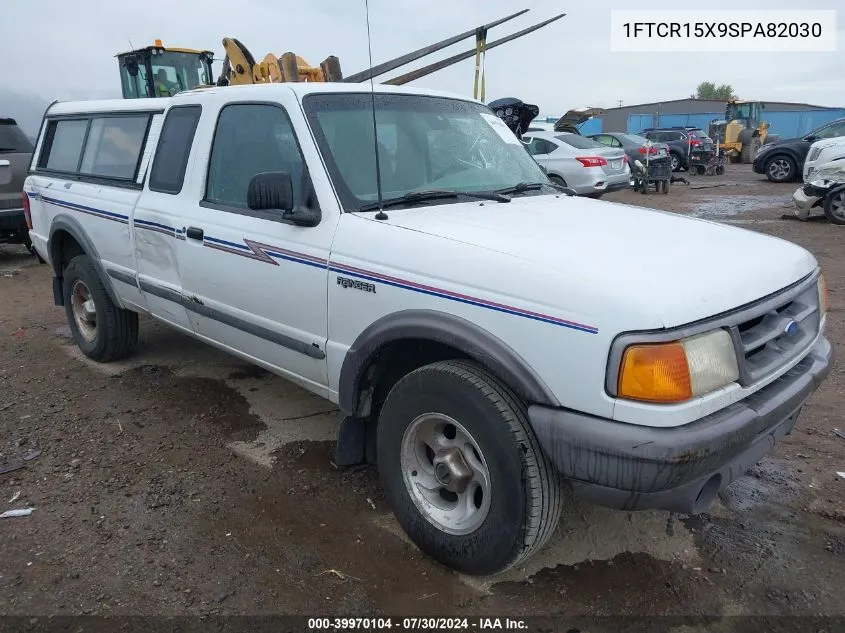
<point x="356" y="442"/>
<point x="58" y="295"/>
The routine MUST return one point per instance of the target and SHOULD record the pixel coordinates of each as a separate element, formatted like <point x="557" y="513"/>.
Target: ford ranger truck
<point x="491" y="339"/>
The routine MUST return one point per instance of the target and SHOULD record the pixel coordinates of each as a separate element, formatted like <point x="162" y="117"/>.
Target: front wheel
<point x="834" y="207"/>
<point x="780" y="169"/>
<point x="103" y="331"/>
<point x="463" y="471"/>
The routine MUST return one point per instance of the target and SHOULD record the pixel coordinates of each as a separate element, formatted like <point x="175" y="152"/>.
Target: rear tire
<point x="458" y="414"/>
<point x="677" y="163"/>
<point x="557" y="180"/>
<point x="103" y="331"/>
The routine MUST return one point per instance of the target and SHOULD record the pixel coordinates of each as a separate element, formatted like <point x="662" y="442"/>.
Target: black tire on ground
<point x="749" y="150"/>
<point x="557" y="180"/>
<point x="115" y="330"/>
<point x="720" y="169"/>
<point x="677" y="161"/>
<point x="644" y="186"/>
<point x="665" y="188"/>
<point x="780" y="168"/>
<point x="834" y="207"/>
<point x="526" y="498"/>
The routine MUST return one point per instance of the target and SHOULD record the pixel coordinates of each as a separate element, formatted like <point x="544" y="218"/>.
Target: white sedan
<point x="585" y="166"/>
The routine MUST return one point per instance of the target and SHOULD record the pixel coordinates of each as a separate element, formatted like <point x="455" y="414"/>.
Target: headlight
<point x="821" y="183"/>
<point x="678" y="370"/>
<point x="822" y="294"/>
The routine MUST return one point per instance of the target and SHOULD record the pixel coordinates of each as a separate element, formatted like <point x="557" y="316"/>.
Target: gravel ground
<point x="184" y="482"/>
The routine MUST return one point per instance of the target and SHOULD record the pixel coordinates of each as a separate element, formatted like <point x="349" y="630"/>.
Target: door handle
<point x="194" y="233"/>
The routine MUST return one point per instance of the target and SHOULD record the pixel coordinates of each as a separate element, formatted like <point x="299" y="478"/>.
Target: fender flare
<point x="448" y="329"/>
<point x="72" y="226"/>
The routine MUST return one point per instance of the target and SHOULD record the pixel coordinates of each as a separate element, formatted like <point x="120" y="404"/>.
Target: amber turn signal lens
<point x="655" y="373"/>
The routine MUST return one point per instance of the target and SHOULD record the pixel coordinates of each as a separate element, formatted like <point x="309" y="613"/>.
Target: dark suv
<point x="15" y="155"/>
<point x="783" y="160"/>
<point x="681" y="141"/>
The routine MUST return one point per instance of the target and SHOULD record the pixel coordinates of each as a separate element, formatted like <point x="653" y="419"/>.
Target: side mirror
<point x="270" y="191"/>
<point x="812" y="138"/>
<point x="5" y="172"/>
<point x="273" y="191"/>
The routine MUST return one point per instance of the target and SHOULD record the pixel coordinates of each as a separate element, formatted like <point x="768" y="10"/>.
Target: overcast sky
<point x="566" y="64"/>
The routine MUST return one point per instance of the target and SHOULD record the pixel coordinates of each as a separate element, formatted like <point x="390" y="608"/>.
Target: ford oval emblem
<point x="791" y="328"/>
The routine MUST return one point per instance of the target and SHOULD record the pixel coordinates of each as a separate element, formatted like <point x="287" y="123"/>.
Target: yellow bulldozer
<point x="159" y="71"/>
<point x="742" y="132"/>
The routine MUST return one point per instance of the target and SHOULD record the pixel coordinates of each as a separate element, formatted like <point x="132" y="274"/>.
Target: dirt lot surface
<point x="183" y="481"/>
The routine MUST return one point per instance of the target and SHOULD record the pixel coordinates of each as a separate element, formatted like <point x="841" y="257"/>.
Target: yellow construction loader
<point x="742" y="132"/>
<point x="159" y="71"/>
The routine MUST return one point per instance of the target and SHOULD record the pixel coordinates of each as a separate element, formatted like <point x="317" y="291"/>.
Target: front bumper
<point x="681" y="469"/>
<point x="804" y="199"/>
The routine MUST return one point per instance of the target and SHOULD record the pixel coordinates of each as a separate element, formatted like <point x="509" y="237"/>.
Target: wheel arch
<point x="68" y="239"/>
<point x="446" y="331"/>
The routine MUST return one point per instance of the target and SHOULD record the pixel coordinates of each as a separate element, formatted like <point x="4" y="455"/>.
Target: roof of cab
<point x="255" y="91"/>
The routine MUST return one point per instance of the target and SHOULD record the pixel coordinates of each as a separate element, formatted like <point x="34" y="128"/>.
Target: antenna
<point x="381" y="215"/>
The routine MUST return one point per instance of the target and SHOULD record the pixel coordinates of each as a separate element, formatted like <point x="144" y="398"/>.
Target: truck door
<point x="258" y="285"/>
<point x="158" y="235"/>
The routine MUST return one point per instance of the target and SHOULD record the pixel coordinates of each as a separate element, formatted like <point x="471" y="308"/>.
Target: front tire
<point x="834" y="207"/>
<point x="463" y="470"/>
<point x="103" y="331"/>
<point x="780" y="168"/>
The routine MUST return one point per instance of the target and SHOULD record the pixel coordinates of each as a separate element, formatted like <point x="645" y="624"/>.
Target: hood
<point x="675" y="268"/>
<point x="576" y="117"/>
<point x="829" y="142"/>
<point x="782" y="141"/>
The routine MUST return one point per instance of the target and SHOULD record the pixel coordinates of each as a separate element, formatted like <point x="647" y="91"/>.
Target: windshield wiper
<point x="435" y="194"/>
<point x="521" y="187"/>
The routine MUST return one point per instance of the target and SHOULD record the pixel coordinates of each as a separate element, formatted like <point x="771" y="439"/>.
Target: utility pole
<point x="620" y="103"/>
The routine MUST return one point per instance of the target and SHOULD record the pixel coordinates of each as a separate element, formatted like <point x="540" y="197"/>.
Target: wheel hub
<point x="84" y="311"/>
<point x="445" y="473"/>
<point x="451" y="470"/>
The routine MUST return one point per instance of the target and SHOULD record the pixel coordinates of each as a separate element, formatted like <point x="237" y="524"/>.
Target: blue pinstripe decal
<point x="269" y="254"/>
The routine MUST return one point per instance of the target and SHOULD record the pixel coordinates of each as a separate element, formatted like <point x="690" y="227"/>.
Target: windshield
<point x="742" y="111"/>
<point x="579" y="142"/>
<point x="12" y="139"/>
<point x="169" y="71"/>
<point x="425" y="143"/>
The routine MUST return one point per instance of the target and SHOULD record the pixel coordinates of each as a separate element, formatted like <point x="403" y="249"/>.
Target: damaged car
<point x="826" y="189"/>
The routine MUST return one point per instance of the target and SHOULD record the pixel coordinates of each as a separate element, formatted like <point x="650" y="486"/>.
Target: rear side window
<point x="174" y="147"/>
<point x="99" y="146"/>
<point x="12" y="138"/>
<point x="63" y="145"/>
<point x="114" y="146"/>
<point x="578" y="142"/>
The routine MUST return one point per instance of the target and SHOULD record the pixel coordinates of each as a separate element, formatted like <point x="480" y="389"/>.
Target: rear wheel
<point x="676" y="161"/>
<point x="463" y="471"/>
<point x="103" y="331"/>
<point x="834" y="207"/>
<point x="557" y="180"/>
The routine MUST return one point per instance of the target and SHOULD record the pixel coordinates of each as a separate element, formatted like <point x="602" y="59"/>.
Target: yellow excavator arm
<point x="240" y="67"/>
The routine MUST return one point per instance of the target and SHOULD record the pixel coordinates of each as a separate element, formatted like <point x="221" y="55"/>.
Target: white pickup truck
<point x="490" y="338"/>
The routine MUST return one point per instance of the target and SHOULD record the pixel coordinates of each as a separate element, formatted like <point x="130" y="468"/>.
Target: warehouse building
<point x="786" y="119"/>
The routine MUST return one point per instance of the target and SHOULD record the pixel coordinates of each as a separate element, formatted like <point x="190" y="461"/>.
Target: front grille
<point x="780" y="331"/>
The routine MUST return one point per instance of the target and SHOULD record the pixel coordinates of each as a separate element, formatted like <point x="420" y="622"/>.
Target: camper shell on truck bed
<point x="486" y="335"/>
